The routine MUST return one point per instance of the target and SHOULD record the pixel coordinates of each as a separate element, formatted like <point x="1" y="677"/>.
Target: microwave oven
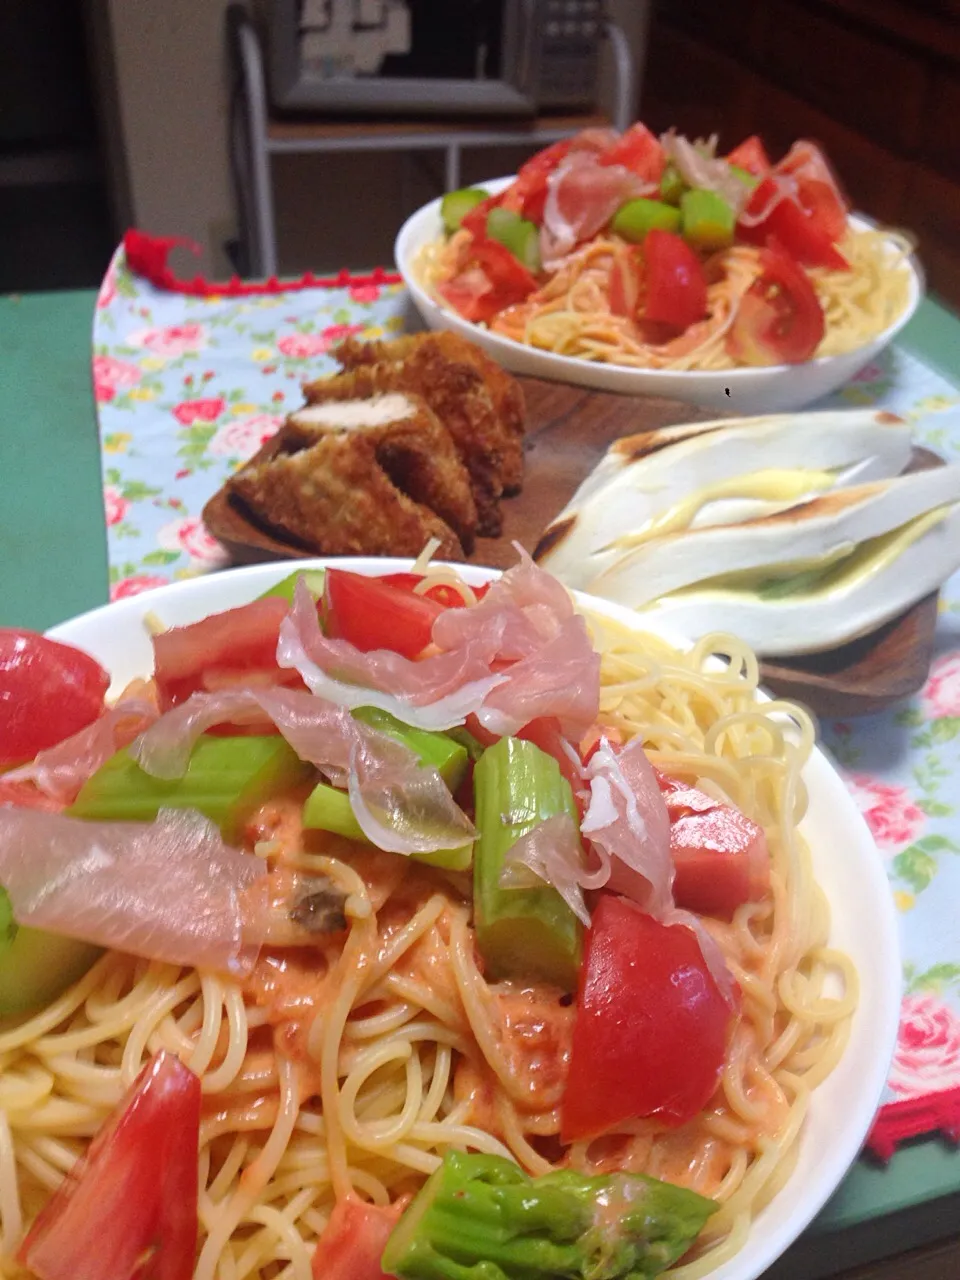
<point x="434" y="57"/>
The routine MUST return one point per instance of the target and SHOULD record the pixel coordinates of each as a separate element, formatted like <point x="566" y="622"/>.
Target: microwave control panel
<point x="570" y="39"/>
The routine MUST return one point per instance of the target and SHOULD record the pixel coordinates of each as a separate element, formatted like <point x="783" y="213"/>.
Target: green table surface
<point x="53" y="565"/>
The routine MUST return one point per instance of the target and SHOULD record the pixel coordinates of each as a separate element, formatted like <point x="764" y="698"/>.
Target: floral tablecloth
<point x="188" y="388"/>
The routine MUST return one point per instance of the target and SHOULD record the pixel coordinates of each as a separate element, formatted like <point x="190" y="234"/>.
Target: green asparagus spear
<point x="286" y="587"/>
<point x="455" y="206"/>
<point x="635" y="218"/>
<point x="329" y="809"/>
<point x="36" y="966"/>
<point x="225" y="781"/>
<point x="481" y="1217"/>
<point x="708" y="220"/>
<point x="526" y="933"/>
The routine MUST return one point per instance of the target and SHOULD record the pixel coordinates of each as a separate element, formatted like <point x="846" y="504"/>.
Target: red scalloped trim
<point x="147" y="256"/>
<point x="914" y="1117"/>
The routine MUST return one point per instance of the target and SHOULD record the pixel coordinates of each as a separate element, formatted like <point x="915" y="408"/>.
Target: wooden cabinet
<point x="877" y="82"/>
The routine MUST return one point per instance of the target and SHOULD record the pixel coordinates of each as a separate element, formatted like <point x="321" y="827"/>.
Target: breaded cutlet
<point x="458" y="396"/>
<point x="411" y="446"/>
<point x="505" y="392"/>
<point x="334" y="498"/>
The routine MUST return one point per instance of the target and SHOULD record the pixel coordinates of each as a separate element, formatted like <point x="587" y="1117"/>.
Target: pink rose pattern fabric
<point x="188" y="389"/>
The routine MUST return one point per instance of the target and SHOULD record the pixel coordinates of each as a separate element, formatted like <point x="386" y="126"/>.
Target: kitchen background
<point x="116" y="113"/>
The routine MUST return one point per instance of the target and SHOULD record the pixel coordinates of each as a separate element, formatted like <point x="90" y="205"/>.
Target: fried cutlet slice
<point x="334" y="498"/>
<point x="412" y="447"/>
<point x="505" y="392"/>
<point x="458" y="396"/>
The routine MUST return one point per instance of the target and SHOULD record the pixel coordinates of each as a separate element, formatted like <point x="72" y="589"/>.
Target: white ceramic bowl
<point x="845" y="860"/>
<point x="768" y="390"/>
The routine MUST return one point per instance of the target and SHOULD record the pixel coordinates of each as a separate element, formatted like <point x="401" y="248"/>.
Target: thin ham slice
<point x="402" y="806"/>
<point x="628" y="829"/>
<point x="550" y="852"/>
<point x="60" y="771"/>
<point x="628" y="826"/>
<point x="521" y="653"/>
<point x="167" y="890"/>
<point x="582" y="197"/>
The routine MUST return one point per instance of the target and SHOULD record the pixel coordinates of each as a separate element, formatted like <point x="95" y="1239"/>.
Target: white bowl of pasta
<point x="776" y="1140"/>
<point x="861" y="319"/>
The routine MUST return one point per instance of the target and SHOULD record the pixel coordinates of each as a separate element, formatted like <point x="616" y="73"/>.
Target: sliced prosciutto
<point x="402" y="806"/>
<point x="582" y="197"/>
<point x="520" y="653"/>
<point x="167" y="890"/>
<point x="629" y="828"/>
<point x="59" y="772"/>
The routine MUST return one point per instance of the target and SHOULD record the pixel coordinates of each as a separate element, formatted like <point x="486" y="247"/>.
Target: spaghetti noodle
<point x="571" y="313"/>
<point x="351" y="1066"/>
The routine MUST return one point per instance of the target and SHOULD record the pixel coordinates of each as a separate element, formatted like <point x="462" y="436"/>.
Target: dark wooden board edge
<point x="569" y="429"/>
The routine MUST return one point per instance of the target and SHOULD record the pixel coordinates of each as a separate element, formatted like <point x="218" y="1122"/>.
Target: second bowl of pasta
<point x="575" y="338"/>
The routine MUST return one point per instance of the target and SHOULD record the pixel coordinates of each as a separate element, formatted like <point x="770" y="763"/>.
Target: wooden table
<point x="53" y="565"/>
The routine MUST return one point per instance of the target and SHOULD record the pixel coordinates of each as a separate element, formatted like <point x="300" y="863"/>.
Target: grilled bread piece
<point x="335" y="498"/>
<point x="458" y="395"/>
<point x="505" y="391"/>
<point x="412" y="447"/>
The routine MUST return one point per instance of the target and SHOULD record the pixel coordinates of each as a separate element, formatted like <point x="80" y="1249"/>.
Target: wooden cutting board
<point x="568" y="430"/>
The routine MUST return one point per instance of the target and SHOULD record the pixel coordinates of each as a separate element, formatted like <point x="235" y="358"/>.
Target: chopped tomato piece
<point x="48" y="691"/>
<point x="373" y="614"/>
<point x="780" y="319"/>
<point x="545" y="733"/>
<point x="128" y="1208"/>
<point x="796" y="229"/>
<point x="719" y="854"/>
<point x="818" y="190"/>
<point x="639" y="151"/>
<point x="650" y="1033"/>
<point x="750" y="155"/>
<point x="236" y="647"/>
<point x="353" y="1241"/>
<point x="676" y="288"/>
<point x="470" y="293"/>
<point x="442" y="592"/>
<point x="528" y="195"/>
<point x="493" y="281"/>
<point x="510" y="278"/>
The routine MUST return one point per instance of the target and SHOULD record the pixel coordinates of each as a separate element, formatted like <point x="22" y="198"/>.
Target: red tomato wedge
<point x="676" y="288"/>
<point x="48" y="691"/>
<point x="796" y="229"/>
<point x="442" y="592"/>
<point x="720" y="855"/>
<point x="493" y="281"/>
<point x="750" y="155"/>
<point x="818" y="190"/>
<point x="545" y="733"/>
<point x="128" y="1208"/>
<point x="650" y="1033"/>
<point x="374" y="614"/>
<point x="470" y="294"/>
<point x="639" y="151"/>
<point x="528" y="195"/>
<point x="780" y="319"/>
<point x="353" y="1241"/>
<point x="236" y="647"/>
